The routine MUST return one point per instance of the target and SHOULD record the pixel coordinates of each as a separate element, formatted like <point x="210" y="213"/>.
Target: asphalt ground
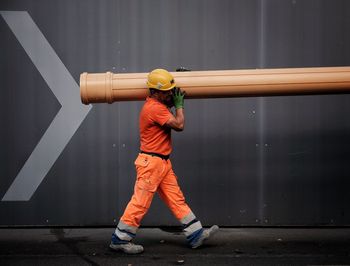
<point x="231" y="246"/>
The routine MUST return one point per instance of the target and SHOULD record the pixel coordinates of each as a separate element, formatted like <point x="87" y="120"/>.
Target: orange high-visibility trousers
<point x="154" y="174"/>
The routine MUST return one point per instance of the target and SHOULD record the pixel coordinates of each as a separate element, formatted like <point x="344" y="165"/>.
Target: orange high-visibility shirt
<point x="154" y="135"/>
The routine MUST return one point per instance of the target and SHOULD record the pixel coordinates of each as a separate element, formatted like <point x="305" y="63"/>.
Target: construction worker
<point x="154" y="169"/>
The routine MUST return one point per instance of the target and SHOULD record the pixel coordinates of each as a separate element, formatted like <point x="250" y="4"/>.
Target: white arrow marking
<point x="67" y="120"/>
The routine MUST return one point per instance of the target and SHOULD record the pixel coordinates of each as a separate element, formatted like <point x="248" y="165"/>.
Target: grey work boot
<point x="207" y="233"/>
<point x="128" y="248"/>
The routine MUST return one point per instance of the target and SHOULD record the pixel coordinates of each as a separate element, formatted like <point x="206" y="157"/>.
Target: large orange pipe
<point x="109" y="87"/>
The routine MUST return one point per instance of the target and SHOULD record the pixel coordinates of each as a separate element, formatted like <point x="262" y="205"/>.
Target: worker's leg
<point x="172" y="195"/>
<point x="149" y="170"/>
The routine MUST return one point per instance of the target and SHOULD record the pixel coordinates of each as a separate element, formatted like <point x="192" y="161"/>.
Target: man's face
<point x="166" y="97"/>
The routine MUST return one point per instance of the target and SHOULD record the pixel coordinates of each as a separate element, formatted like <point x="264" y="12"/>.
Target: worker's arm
<point x="177" y="122"/>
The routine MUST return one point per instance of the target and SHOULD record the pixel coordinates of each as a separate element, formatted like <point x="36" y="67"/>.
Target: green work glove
<point x="178" y="98"/>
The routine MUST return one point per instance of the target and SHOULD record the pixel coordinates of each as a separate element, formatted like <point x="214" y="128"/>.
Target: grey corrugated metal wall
<point x="240" y="161"/>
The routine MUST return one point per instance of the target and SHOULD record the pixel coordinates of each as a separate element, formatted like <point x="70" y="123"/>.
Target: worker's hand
<point x="178" y="98"/>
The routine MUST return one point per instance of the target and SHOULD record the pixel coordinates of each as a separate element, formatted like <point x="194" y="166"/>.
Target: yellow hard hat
<point x="160" y="79"/>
